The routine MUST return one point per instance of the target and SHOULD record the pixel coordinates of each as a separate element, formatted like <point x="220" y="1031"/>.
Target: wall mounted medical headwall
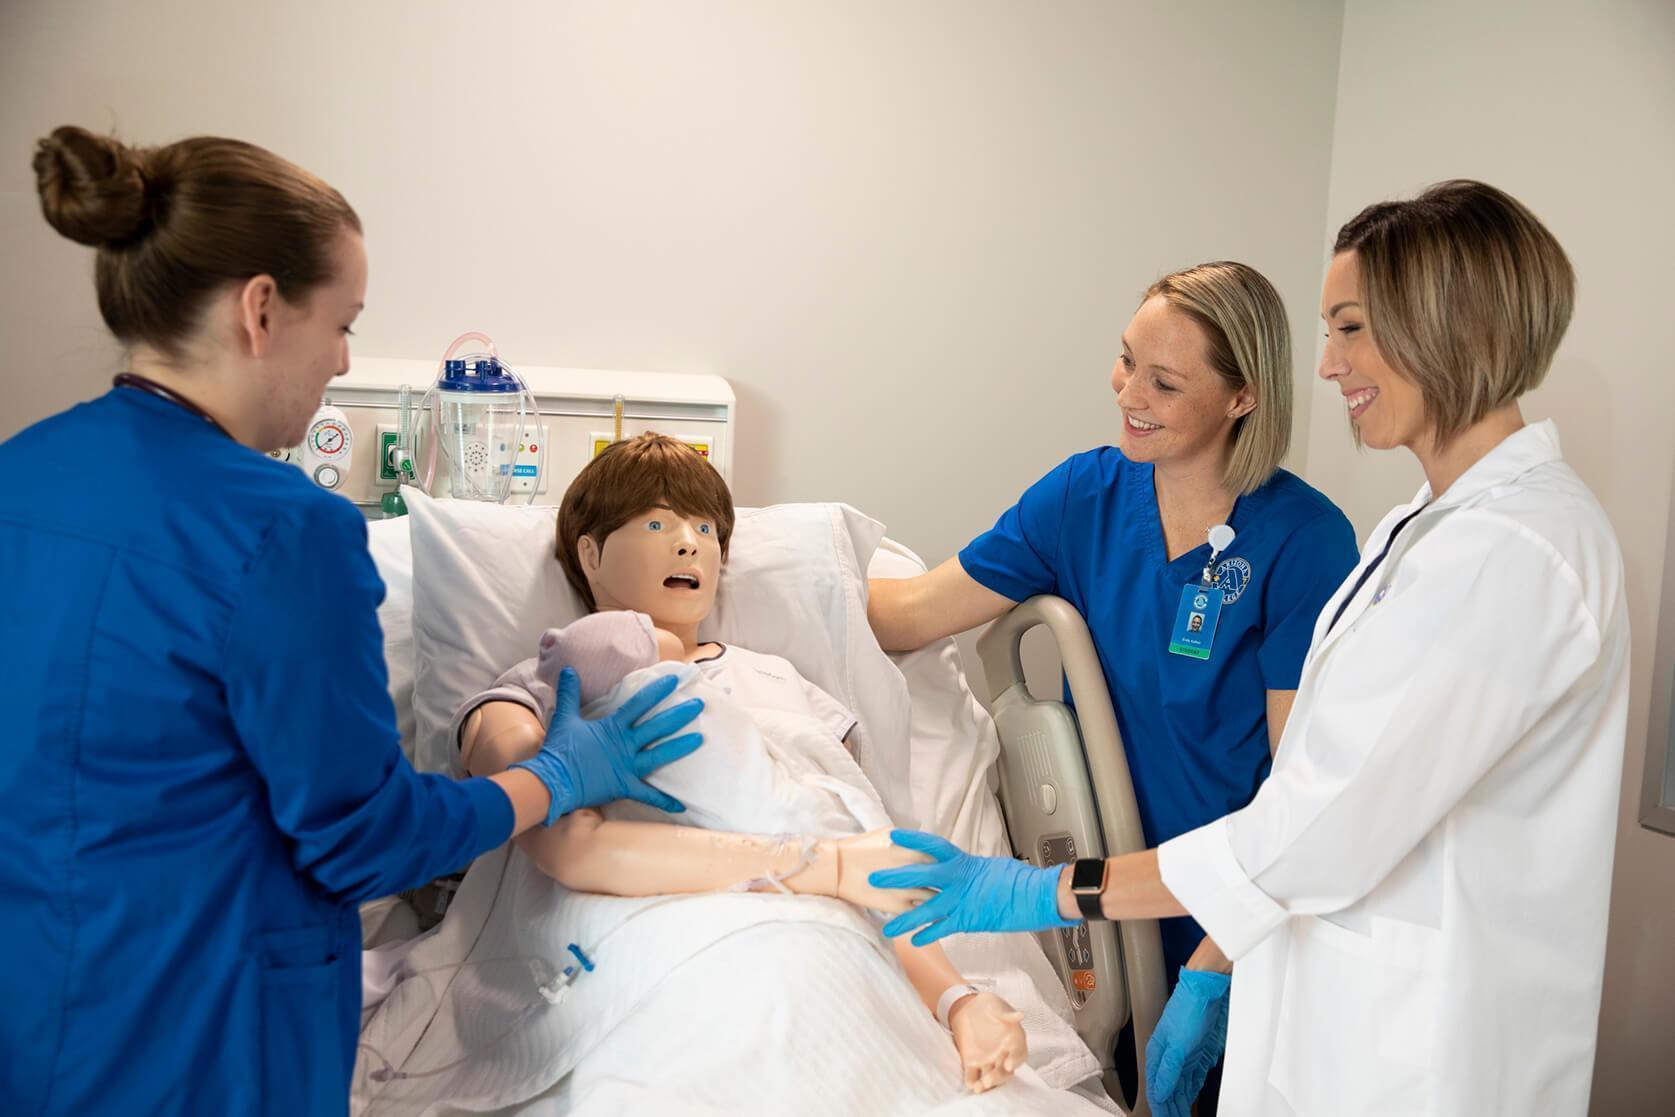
<point x="473" y="427"/>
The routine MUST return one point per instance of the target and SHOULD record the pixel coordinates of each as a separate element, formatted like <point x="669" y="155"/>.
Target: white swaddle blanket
<point x="760" y="770"/>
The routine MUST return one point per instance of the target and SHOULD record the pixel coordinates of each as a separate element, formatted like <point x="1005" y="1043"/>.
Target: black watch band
<point x="1087" y="884"/>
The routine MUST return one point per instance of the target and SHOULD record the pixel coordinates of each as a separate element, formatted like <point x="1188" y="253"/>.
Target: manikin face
<point x="1385" y="408"/>
<point x="659" y="563"/>
<point x="307" y="345"/>
<point x="1175" y="406"/>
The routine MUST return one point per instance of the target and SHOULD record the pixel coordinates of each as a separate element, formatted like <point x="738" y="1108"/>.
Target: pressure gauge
<point x="329" y="438"/>
<point x="328" y="450"/>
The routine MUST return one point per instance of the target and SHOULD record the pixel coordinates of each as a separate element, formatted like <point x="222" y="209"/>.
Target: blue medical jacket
<point x="1195" y="731"/>
<point x="200" y="774"/>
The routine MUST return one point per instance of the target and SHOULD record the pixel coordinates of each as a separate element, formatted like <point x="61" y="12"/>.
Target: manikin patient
<point x="642" y="535"/>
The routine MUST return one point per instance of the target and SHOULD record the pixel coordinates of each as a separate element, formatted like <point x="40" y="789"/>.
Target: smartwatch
<point x="1087" y="881"/>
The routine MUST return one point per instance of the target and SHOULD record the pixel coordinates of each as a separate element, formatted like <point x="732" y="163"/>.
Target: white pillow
<point x="795" y="585"/>
<point x="954" y="741"/>
<point x="486" y="584"/>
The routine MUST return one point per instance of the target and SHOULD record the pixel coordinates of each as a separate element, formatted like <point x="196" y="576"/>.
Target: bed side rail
<point x="1067" y="793"/>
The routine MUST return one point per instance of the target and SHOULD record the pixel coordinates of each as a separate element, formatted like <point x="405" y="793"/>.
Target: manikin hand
<point x="989" y="1036"/>
<point x="860" y="856"/>
<point x="973" y="893"/>
<point x="841" y="867"/>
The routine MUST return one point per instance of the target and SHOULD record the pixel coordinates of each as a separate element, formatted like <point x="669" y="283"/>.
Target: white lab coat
<point x="1416" y="898"/>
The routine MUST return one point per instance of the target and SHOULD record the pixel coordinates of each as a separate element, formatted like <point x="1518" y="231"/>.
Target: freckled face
<point x="1175" y="406"/>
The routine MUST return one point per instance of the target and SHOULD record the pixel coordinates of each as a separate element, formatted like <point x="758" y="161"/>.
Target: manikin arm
<point x="987" y="1031"/>
<point x="588" y="853"/>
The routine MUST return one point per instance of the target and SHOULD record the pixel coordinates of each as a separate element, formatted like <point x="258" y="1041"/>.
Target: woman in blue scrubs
<point x="200" y="774"/>
<point x="1201" y="694"/>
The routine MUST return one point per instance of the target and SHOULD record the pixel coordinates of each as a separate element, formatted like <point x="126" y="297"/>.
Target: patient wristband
<point x="945" y="1003"/>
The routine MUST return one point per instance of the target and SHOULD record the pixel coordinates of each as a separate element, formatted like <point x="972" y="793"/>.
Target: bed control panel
<point x="1052" y="819"/>
<point x="1075" y="942"/>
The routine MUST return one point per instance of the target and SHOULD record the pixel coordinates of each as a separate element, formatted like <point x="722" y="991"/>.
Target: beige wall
<point x="1570" y="107"/>
<point x="908" y="234"/>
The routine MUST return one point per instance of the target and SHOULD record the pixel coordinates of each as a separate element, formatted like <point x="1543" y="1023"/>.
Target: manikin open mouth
<point x="681" y="581"/>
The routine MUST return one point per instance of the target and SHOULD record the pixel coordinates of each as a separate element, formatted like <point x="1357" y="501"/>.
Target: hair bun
<point x="92" y="187"/>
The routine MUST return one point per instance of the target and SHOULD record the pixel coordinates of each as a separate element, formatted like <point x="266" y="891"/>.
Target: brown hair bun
<point x="92" y="188"/>
<point x="174" y="224"/>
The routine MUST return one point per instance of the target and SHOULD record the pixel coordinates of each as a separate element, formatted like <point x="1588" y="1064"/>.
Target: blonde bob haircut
<point x="1249" y="344"/>
<point x="1466" y="295"/>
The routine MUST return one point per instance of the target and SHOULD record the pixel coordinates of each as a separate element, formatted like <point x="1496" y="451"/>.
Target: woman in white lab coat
<point x="1416" y="899"/>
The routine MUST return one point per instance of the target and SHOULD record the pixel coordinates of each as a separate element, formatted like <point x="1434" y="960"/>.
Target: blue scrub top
<point x="200" y="773"/>
<point x="1195" y="731"/>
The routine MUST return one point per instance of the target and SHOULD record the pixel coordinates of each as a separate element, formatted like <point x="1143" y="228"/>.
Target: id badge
<point x="1195" y="621"/>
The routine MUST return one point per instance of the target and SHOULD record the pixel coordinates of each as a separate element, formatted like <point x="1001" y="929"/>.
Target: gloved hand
<point x="973" y="893"/>
<point x="1188" y="1041"/>
<point x="588" y="763"/>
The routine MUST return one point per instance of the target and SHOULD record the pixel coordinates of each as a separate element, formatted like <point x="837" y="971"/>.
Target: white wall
<point x="1571" y="108"/>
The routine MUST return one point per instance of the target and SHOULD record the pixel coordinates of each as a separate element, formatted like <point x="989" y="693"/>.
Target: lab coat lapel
<point x="1324" y="639"/>
<point x="1517" y="454"/>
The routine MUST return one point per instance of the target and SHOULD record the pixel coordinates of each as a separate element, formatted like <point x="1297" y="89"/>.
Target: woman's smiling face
<point x="1385" y="408"/>
<point x="1175" y="406"/>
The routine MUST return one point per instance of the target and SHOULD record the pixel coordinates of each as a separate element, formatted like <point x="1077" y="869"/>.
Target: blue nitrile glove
<point x="586" y="763"/>
<point x="973" y="893"/>
<point x="1188" y="1041"/>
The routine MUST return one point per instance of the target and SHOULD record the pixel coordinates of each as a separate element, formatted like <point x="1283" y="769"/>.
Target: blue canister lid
<point x="488" y="375"/>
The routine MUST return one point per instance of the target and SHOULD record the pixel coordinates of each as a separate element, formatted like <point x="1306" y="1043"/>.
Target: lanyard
<point x="152" y="388"/>
<point x="1221" y="537"/>
<point x="1194" y="633"/>
<point x="1367" y="572"/>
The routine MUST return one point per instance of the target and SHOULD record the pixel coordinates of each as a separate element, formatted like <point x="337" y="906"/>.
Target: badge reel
<point x="1194" y="634"/>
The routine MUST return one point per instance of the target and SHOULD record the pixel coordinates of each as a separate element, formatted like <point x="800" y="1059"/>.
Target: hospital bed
<point x="1059" y="773"/>
<point x="1062" y="783"/>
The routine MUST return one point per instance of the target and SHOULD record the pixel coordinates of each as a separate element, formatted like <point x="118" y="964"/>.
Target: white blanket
<point x="760" y="771"/>
<point x="728" y="1003"/>
<point x="794" y="1019"/>
<point x="741" y="1002"/>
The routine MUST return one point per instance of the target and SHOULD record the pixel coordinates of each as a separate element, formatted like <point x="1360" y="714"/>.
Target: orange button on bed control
<point x="1085" y="980"/>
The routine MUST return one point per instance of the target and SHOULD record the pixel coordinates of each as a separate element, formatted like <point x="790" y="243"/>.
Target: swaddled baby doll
<point x="773" y="761"/>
